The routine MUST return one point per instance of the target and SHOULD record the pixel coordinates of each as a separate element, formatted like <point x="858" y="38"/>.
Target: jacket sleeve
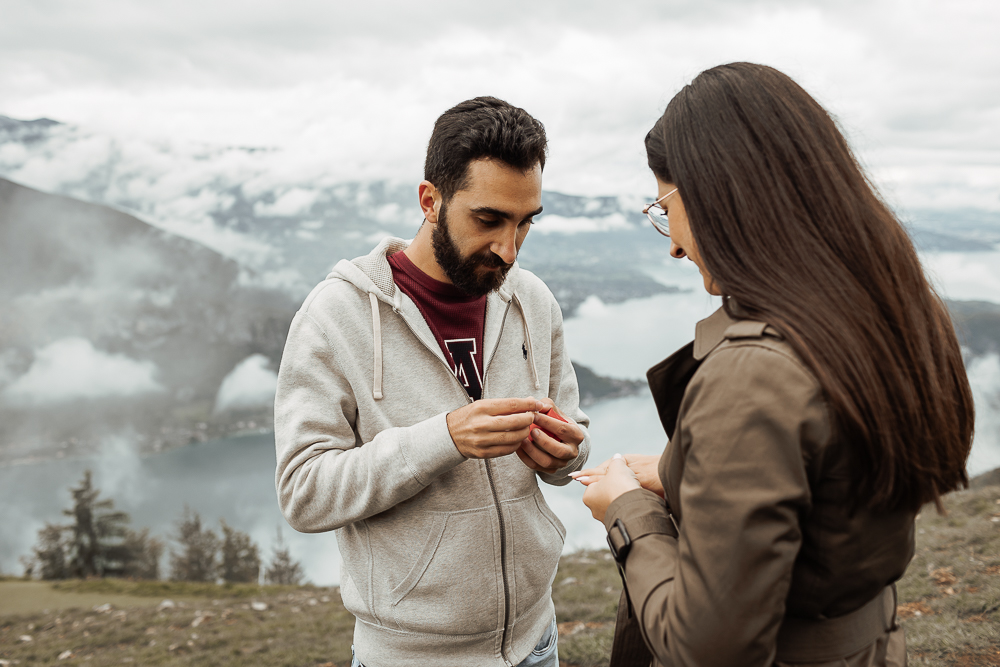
<point x="715" y="594"/>
<point x="324" y="478"/>
<point x="565" y="393"/>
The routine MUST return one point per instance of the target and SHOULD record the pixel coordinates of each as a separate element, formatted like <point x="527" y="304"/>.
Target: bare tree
<point x="240" y="556"/>
<point x="196" y="559"/>
<point x="283" y="570"/>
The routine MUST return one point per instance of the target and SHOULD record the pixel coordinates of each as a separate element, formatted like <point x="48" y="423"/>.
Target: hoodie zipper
<point x="489" y="477"/>
<point x="496" y="501"/>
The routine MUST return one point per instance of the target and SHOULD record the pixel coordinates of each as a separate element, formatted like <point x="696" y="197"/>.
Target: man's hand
<point x="490" y="428"/>
<point x="540" y="452"/>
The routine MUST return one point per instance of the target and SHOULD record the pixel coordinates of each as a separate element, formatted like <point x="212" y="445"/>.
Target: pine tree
<point x="197" y="558"/>
<point x="240" y="556"/>
<point x="142" y="560"/>
<point x="97" y="532"/>
<point x="49" y="556"/>
<point x="283" y="570"/>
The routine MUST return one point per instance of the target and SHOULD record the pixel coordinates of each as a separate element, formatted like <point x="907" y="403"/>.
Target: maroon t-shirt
<point x="455" y="318"/>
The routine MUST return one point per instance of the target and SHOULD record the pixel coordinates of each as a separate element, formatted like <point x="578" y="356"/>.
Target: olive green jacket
<point x="758" y="555"/>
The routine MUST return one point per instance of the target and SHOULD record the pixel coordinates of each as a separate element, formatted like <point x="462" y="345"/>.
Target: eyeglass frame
<point x="657" y="225"/>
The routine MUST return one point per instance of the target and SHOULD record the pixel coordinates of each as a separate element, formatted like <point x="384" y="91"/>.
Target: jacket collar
<point x="710" y="332"/>
<point x="718" y="326"/>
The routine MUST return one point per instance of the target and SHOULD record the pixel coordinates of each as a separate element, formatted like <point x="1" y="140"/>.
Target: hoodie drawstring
<point x="377" y="339"/>
<point x="527" y="336"/>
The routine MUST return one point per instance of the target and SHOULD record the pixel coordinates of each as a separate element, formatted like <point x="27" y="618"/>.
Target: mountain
<point x="176" y="287"/>
<point x="113" y="328"/>
<point x="110" y="326"/>
<point x="25" y="131"/>
<point x="279" y="214"/>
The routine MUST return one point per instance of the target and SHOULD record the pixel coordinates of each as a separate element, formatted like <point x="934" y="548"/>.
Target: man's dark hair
<point x="483" y="127"/>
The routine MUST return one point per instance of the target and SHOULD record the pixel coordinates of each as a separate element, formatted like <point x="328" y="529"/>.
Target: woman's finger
<point x="587" y="480"/>
<point x="599" y="470"/>
<point x="586" y="477"/>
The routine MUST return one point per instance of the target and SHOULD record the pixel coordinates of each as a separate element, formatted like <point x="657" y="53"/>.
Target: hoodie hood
<point x="372" y="274"/>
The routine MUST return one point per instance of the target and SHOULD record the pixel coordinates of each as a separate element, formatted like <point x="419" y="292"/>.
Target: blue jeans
<point x="545" y="653"/>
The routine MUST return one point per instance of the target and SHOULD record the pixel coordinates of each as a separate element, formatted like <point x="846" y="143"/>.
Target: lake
<point x="234" y="478"/>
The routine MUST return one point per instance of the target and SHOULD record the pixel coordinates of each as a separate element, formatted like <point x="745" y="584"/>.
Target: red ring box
<point x="555" y="415"/>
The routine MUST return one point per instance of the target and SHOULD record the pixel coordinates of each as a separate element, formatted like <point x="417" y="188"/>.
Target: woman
<point x="811" y="417"/>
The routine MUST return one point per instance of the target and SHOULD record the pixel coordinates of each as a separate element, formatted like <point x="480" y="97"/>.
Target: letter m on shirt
<point x="463" y="351"/>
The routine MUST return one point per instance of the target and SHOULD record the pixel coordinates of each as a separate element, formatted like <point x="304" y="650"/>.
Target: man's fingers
<point x="565" y="431"/>
<point x="502" y="438"/>
<point x="527" y="460"/>
<point x="559" y="450"/>
<point x="542" y="458"/>
<point x="508" y="406"/>
<point x="511" y="422"/>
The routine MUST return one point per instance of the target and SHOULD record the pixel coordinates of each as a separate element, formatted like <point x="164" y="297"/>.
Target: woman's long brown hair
<point x="791" y="229"/>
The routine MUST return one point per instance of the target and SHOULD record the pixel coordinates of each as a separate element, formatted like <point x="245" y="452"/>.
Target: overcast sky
<point x="347" y="90"/>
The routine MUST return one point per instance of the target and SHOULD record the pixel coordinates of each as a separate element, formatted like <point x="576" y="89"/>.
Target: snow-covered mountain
<point x="146" y="289"/>
<point x="282" y="217"/>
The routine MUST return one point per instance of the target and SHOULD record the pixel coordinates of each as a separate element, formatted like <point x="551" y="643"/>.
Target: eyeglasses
<point x="658" y="215"/>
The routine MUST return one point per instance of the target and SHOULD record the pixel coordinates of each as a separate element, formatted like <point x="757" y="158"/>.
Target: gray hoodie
<point x="446" y="560"/>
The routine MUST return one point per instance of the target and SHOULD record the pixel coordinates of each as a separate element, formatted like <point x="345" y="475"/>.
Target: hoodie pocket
<point x="453" y="587"/>
<point x="538" y="543"/>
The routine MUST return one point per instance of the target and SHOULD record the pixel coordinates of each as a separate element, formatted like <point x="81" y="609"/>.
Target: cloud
<point x="251" y="384"/>
<point x="984" y="376"/>
<point x="955" y="277"/>
<point x="557" y="224"/>
<point x="8" y="359"/>
<point x="287" y="280"/>
<point x="333" y="91"/>
<point x="295" y="201"/>
<point x="71" y="369"/>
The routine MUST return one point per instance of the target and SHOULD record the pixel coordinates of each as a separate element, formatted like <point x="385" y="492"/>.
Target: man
<point x="409" y="389"/>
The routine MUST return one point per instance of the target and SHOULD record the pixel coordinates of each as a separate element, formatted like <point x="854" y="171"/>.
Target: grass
<point x="171" y="588"/>
<point x="586" y="593"/>
<point x="949" y="606"/>
<point x="950" y="596"/>
<point x="308" y="626"/>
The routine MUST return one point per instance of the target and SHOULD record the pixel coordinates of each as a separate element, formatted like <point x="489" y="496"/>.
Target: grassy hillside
<point x="949" y="606"/>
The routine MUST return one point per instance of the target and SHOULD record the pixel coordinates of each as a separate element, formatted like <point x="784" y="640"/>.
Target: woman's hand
<point x="605" y="483"/>
<point x="647" y="469"/>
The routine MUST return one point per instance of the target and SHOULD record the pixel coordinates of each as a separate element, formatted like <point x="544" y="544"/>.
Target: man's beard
<point x="462" y="270"/>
